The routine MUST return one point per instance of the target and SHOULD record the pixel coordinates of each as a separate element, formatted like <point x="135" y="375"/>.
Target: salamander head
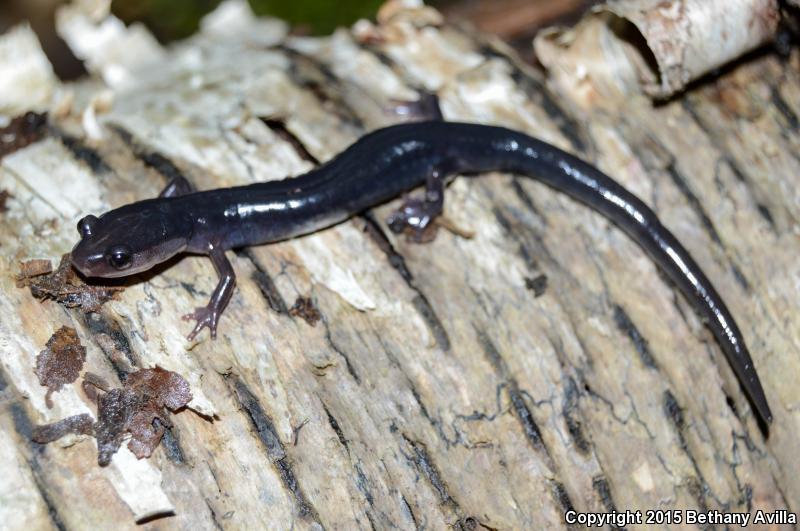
<point x="128" y="240"/>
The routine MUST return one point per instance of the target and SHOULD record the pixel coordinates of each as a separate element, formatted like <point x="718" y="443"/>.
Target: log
<point x="541" y="366"/>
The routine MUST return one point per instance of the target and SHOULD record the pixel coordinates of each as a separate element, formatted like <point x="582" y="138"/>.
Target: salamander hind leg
<point x="177" y="186"/>
<point x="416" y="217"/>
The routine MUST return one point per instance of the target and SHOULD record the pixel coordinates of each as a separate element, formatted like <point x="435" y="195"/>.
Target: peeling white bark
<point x="367" y="415"/>
<point x="26" y="76"/>
<point x="660" y="46"/>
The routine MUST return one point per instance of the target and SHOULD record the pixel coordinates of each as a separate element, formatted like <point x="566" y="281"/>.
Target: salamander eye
<point x="86" y="225"/>
<point x="119" y="257"/>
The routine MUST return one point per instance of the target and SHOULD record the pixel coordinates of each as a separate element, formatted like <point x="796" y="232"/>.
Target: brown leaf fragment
<point x="22" y="131"/>
<point x="91" y="383"/>
<point x="161" y="387"/>
<point x="32" y="268"/>
<point x="67" y="288"/>
<point x="538" y="284"/>
<point x="82" y="424"/>
<point x="61" y="361"/>
<point x="139" y="409"/>
<point x="115" y="410"/>
<point x="304" y="307"/>
<point x="146" y="432"/>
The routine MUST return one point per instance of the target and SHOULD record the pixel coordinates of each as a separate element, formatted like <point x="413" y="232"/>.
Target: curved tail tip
<point x="765" y="413"/>
<point x="760" y="405"/>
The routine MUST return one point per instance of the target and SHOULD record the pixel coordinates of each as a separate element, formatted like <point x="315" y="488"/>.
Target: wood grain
<point x="439" y="388"/>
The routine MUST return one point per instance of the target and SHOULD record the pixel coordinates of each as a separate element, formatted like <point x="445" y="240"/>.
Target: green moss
<point x="319" y="17"/>
<point x="175" y="19"/>
<point x="167" y="19"/>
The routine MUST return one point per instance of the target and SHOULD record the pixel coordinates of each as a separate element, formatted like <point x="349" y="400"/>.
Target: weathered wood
<point x="501" y="380"/>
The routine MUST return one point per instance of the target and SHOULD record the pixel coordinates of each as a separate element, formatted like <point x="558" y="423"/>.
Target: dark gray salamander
<point x="378" y="167"/>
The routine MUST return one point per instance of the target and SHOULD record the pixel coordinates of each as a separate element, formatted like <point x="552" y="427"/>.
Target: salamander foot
<point x="206" y="317"/>
<point x="416" y="219"/>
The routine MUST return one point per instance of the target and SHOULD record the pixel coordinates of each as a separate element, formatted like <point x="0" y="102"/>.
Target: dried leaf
<point x="146" y="433"/>
<point x="32" y="268"/>
<point x="91" y="383"/>
<point x="162" y="387"/>
<point x="82" y="424"/>
<point x="304" y="307"/>
<point x="538" y="284"/>
<point x="22" y="130"/>
<point x="115" y="410"/>
<point x="61" y="361"/>
<point x="140" y="409"/>
<point x="66" y="287"/>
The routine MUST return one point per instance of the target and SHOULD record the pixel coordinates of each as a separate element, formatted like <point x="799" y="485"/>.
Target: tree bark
<point x="541" y="366"/>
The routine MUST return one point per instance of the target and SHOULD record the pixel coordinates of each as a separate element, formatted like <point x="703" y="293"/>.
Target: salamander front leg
<point x="177" y="186"/>
<point x="208" y="316"/>
<point x="416" y="216"/>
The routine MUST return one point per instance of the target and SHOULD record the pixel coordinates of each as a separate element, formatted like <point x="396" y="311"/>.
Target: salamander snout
<point x="114" y="262"/>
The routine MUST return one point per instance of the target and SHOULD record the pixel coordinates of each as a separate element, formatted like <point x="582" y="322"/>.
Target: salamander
<point x="379" y="166"/>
